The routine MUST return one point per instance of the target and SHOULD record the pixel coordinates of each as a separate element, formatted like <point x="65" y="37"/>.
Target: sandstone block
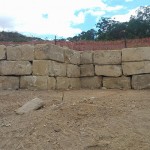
<point x="136" y="54"/>
<point x="105" y="57"/>
<point x="15" y="68"/>
<point x="68" y="83"/>
<point x="72" y="56"/>
<point x="74" y="83"/>
<point x="86" y="57"/>
<point x="31" y="105"/>
<point x="8" y="82"/>
<point x="108" y="70"/>
<point x="40" y="67"/>
<point x="117" y="83"/>
<point x="2" y="52"/>
<point x="87" y="70"/>
<point x="33" y="82"/>
<point x="141" y="81"/>
<point x="131" y="68"/>
<point x="49" y="51"/>
<point x="91" y="82"/>
<point x="21" y="52"/>
<point x="51" y="83"/>
<point x="57" y="69"/>
<point x="41" y="51"/>
<point x="73" y="70"/>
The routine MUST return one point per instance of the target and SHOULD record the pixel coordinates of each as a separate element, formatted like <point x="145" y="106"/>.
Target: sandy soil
<point x="81" y="120"/>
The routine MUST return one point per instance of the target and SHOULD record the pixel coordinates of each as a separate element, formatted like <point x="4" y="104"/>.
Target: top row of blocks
<point x="53" y="52"/>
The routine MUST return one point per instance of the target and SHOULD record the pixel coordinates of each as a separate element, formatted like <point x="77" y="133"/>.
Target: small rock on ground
<point x="31" y="105"/>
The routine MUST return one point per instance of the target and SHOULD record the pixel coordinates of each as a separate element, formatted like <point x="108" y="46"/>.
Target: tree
<point x="109" y="29"/>
<point x="89" y="35"/>
<point x="139" y="25"/>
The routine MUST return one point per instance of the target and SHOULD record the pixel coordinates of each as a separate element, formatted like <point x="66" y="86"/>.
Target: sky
<point x="62" y="18"/>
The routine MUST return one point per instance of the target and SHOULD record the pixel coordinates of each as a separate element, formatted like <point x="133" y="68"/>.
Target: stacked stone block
<point x="48" y="66"/>
<point x="136" y="63"/>
<point x="61" y="66"/>
<point x="108" y="64"/>
<point x="88" y="77"/>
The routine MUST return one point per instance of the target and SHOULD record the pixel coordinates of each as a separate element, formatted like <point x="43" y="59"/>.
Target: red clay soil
<point x="93" y="45"/>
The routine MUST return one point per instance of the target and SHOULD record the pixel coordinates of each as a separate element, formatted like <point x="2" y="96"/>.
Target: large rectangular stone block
<point x="20" y="52"/>
<point x="73" y="70"/>
<point x="74" y="83"/>
<point x="87" y="57"/>
<point x="41" y="51"/>
<point x="131" y="68"/>
<point x="108" y="70"/>
<point x="9" y="83"/>
<point x="87" y="70"/>
<point x="68" y="83"/>
<point x="15" y="68"/>
<point x="136" y="54"/>
<point x="141" y="81"/>
<point x="49" y="51"/>
<point x="51" y="83"/>
<point x="117" y="83"/>
<point x="57" y="69"/>
<point x="72" y="56"/>
<point x="2" y="52"/>
<point x="34" y="82"/>
<point x="91" y="82"/>
<point x="107" y="57"/>
<point x="40" y="67"/>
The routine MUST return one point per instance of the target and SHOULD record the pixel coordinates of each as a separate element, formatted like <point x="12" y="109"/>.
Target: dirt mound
<point x="84" y="120"/>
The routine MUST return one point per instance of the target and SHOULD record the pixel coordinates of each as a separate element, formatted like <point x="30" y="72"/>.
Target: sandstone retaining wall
<point x="47" y="66"/>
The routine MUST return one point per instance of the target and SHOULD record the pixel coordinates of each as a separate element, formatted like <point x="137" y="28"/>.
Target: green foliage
<point x="89" y="35"/>
<point x="16" y="37"/>
<point x="108" y="29"/>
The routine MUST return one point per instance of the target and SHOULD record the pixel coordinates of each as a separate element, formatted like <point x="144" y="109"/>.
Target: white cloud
<point x="27" y="15"/>
<point x="125" y="17"/>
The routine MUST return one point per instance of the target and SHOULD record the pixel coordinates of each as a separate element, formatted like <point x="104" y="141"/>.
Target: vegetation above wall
<point x="108" y="29"/>
<point x="16" y="37"/>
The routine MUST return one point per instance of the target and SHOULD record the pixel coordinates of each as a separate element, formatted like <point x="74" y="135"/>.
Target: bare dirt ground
<point x="81" y="120"/>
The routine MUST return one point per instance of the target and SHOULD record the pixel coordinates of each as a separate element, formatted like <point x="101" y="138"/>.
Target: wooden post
<point x="55" y="39"/>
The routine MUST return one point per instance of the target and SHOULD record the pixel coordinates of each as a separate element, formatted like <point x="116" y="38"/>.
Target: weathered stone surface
<point x="40" y="67"/>
<point x="21" y="52"/>
<point x="15" y="68"/>
<point x="72" y="56"/>
<point x="87" y="70"/>
<point x="49" y="51"/>
<point x="108" y="70"/>
<point x="57" y="69"/>
<point x="136" y="54"/>
<point x="31" y="105"/>
<point x="141" y="81"/>
<point x="91" y="82"/>
<point x="117" y="83"/>
<point x="41" y="51"/>
<point x="9" y="83"/>
<point x="68" y="83"/>
<point x="131" y="68"/>
<point x="2" y="52"/>
<point x="51" y="83"/>
<point x="87" y="57"/>
<point x="105" y="57"/>
<point x="74" y="83"/>
<point x="73" y="70"/>
<point x="34" y="82"/>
